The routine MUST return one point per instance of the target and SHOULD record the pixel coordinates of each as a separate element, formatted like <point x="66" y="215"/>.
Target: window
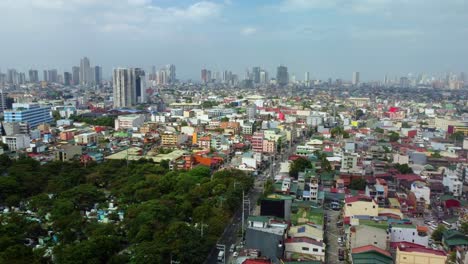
<point x="350" y="205"/>
<point x="373" y="206"/>
<point x="305" y="248"/>
<point x="315" y="249"/>
<point x="375" y="243"/>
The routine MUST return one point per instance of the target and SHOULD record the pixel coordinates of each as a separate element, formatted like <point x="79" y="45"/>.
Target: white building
<point x="129" y="122"/>
<point x="349" y="161"/>
<point x="124" y="84"/>
<point x="420" y="190"/>
<point x="452" y="182"/>
<point x="409" y="233"/>
<point x="16" y="142"/>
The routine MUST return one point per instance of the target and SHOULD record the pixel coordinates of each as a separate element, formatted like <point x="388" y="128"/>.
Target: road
<point x="332" y="234"/>
<point x="230" y="235"/>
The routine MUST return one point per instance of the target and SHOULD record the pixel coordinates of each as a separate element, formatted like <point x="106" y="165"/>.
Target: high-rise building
<point x="162" y="77"/>
<point x="140" y="85"/>
<point x="12" y="76"/>
<point x="33" y="76"/>
<point x="263" y="77"/>
<point x="124" y="84"/>
<point x="85" y="70"/>
<point x="3" y="97"/>
<point x="204" y="76"/>
<point x="282" y="77"/>
<point x="52" y="76"/>
<point x="67" y="78"/>
<point x="153" y="75"/>
<point x="97" y="75"/>
<point x="356" y="78"/>
<point x="22" y="78"/>
<point x="171" y="73"/>
<point x="32" y="113"/>
<point x="45" y="76"/>
<point x="307" y="77"/>
<point x="256" y="74"/>
<point x="76" y="75"/>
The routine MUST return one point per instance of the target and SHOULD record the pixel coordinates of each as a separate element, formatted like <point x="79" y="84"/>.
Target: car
<point x="235" y="254"/>
<point x="435" y="246"/>
<point x="232" y="248"/>
<point x="340" y="240"/>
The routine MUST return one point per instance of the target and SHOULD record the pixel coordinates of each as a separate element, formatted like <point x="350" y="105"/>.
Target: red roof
<point x="358" y="198"/>
<point x="422" y="250"/>
<point x="405" y="244"/>
<point x="303" y="240"/>
<point x="370" y="248"/>
<point x="408" y="177"/>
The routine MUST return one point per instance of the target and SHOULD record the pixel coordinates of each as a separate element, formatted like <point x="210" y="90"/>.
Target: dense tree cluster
<point x="178" y="214"/>
<point x="95" y="121"/>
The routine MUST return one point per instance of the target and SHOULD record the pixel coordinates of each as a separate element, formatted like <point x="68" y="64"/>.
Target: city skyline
<point x="326" y="38"/>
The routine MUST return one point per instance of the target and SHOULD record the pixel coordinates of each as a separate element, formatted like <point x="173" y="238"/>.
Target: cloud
<point x="303" y="5"/>
<point x="247" y="31"/>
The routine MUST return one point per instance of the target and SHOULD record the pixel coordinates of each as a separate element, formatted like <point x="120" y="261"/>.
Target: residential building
<point x="68" y="152"/>
<point x="257" y="142"/>
<point x="87" y="138"/>
<point x="419" y="255"/>
<point x="452" y="182"/>
<point x="421" y="191"/>
<point x="124" y="87"/>
<point x="370" y="254"/>
<point x="408" y="233"/>
<point x="31" y="113"/>
<point x="266" y="234"/>
<point x="364" y="235"/>
<point x="129" y="122"/>
<point x="304" y="248"/>
<point x="16" y="142"/>
<point x="360" y="205"/>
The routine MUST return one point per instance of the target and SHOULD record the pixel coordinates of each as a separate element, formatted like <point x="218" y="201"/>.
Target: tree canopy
<point x="163" y="211"/>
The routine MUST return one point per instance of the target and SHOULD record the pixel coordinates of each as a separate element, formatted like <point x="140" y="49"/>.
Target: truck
<point x="221" y="256"/>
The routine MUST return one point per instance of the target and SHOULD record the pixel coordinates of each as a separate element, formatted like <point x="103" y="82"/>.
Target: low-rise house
<point x="370" y="254"/>
<point x="266" y="234"/>
<point x="363" y="235"/>
<point x="68" y="152"/>
<point x="304" y="248"/>
<point x="417" y="255"/>
<point x="451" y="239"/>
<point x="360" y="205"/>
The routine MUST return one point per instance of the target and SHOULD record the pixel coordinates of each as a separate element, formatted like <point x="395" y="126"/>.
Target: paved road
<point x="230" y="235"/>
<point x="332" y="234"/>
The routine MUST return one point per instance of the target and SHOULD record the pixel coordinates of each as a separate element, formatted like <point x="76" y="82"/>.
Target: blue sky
<point x="329" y="38"/>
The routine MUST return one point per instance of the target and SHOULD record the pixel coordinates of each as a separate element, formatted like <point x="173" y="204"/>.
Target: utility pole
<point x="243" y="209"/>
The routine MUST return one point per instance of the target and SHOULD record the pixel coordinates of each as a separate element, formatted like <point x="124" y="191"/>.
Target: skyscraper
<point x="124" y="84"/>
<point x="256" y="74"/>
<point x="76" y="75"/>
<point x="140" y="85"/>
<point x="33" y="76"/>
<point x="171" y="73"/>
<point x="307" y="77"/>
<point x="282" y="77"/>
<point x="204" y="76"/>
<point x="67" y="78"/>
<point x="263" y="77"/>
<point x="12" y="76"/>
<point x="52" y="76"/>
<point x="355" y="78"/>
<point x="44" y="76"/>
<point x="97" y="74"/>
<point x="85" y="70"/>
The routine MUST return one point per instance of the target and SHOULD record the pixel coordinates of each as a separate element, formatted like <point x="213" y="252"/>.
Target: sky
<point x="328" y="38"/>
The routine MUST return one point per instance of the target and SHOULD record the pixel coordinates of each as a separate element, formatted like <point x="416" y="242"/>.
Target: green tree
<point x="403" y="168"/>
<point x="299" y="165"/>
<point x="358" y="184"/>
<point x="405" y="125"/>
<point x="393" y="136"/>
<point x="464" y="228"/>
<point x="457" y="136"/>
<point x="224" y="119"/>
<point x="56" y="115"/>
<point x="379" y="130"/>
<point x="438" y="232"/>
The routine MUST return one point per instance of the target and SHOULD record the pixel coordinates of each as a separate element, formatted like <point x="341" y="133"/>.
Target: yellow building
<point x="169" y="139"/>
<point x="408" y="255"/>
<point x="360" y="205"/>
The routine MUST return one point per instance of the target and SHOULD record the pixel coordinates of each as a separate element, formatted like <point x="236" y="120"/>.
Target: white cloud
<point x="247" y="31"/>
<point x="303" y="5"/>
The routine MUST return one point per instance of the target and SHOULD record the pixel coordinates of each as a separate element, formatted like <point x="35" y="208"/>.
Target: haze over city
<point x="328" y="38"/>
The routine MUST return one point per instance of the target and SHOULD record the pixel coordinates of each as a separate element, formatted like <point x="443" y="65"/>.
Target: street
<point x="332" y="234"/>
<point x="230" y="235"/>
